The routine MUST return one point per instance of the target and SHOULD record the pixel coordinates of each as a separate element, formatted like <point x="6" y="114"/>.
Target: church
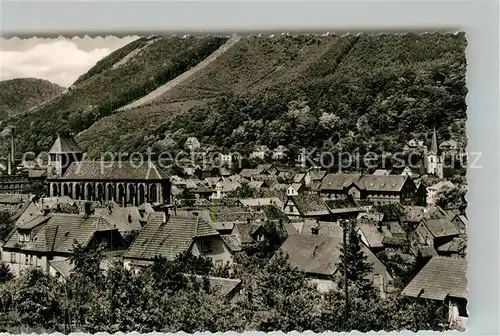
<point x="434" y="158"/>
<point x="124" y="182"/>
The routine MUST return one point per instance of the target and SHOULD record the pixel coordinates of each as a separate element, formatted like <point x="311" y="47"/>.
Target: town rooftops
<point x="373" y="236"/>
<point x="168" y="239"/>
<point x="64" y="266"/>
<point x="456" y="245"/>
<point x="65" y="144"/>
<point x="257" y="202"/>
<point x="316" y="174"/>
<point x="388" y="183"/>
<point x="296" y="186"/>
<point x="310" y="205"/>
<point x="441" y="185"/>
<point x="441" y="227"/>
<point x="248" y="172"/>
<point x="226" y="286"/>
<point x="226" y="186"/>
<point x="14" y="198"/>
<point x="316" y="254"/>
<point x="413" y="213"/>
<point x="319" y="254"/>
<point x="36" y="173"/>
<point x="382" y="172"/>
<point x="232" y="241"/>
<point x="338" y="182"/>
<point x="219" y="214"/>
<point x="123" y="218"/>
<point x="299" y="178"/>
<point x="109" y="170"/>
<point x="58" y="232"/>
<point x="439" y="278"/>
<point x="342" y="205"/>
<point x="246" y="230"/>
<point x="330" y="229"/>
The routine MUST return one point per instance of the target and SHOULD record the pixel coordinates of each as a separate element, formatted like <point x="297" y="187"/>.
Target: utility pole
<point x="345" y="227"/>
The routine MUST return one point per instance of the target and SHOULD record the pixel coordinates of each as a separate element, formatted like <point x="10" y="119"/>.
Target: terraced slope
<point x="120" y="78"/>
<point x="304" y="91"/>
<point x="251" y="65"/>
<point x="22" y="94"/>
<point x="162" y="90"/>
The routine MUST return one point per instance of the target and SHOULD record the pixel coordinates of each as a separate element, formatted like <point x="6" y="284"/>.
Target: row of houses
<point x="45" y="231"/>
<point x="259" y="152"/>
<point x="379" y="189"/>
<point x="406" y="228"/>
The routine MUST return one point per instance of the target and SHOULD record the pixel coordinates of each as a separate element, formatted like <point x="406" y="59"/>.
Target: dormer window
<point x="206" y="247"/>
<point x="24" y="237"/>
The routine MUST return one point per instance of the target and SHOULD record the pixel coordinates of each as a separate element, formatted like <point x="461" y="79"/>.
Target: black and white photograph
<point x="234" y="182"/>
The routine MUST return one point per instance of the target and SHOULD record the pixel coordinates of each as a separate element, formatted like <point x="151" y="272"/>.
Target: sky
<point x="61" y="60"/>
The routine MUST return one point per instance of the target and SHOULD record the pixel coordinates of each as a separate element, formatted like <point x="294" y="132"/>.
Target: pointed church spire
<point x="434" y="146"/>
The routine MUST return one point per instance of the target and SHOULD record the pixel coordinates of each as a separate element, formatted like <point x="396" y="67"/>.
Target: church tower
<point x="434" y="159"/>
<point x="64" y="152"/>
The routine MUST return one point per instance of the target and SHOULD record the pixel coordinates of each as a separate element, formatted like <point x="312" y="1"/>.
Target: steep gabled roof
<point x="299" y="178"/>
<point x="439" y="278"/>
<point x="123" y="218"/>
<point x="168" y="239"/>
<point x="103" y="170"/>
<point x="319" y="254"/>
<point x="383" y="183"/>
<point x="342" y="205"/>
<point x="65" y="145"/>
<point x="58" y="232"/>
<point x="338" y="181"/>
<point x="372" y="235"/>
<point x="316" y="174"/>
<point x="441" y="227"/>
<point x="456" y="245"/>
<point x="310" y="205"/>
<point x="232" y="241"/>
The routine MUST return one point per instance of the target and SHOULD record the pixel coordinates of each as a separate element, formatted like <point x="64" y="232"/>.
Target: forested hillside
<point x="21" y="94"/>
<point x="307" y="91"/>
<point x="312" y="91"/>
<point x="123" y="76"/>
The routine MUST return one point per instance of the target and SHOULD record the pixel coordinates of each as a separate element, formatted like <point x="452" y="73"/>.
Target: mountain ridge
<point x="20" y="95"/>
<point x="303" y="90"/>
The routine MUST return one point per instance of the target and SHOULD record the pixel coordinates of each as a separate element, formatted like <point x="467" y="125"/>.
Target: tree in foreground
<point x="358" y="268"/>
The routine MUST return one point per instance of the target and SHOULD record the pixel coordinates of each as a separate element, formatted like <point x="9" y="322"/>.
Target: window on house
<point x="13" y="257"/>
<point x="36" y="262"/>
<point x="26" y="259"/>
<point x="290" y="208"/>
<point x="31" y="260"/>
<point x="206" y="247"/>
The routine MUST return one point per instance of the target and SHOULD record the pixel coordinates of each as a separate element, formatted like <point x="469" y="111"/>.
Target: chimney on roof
<point x="315" y="228"/>
<point x="165" y="215"/>
<point x="46" y="211"/>
<point x="87" y="209"/>
<point x="110" y="209"/>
